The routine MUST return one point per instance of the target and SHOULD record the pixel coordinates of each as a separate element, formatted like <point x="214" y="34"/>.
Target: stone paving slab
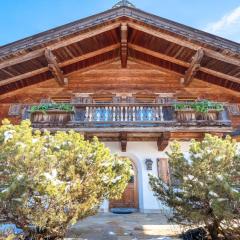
<point x="135" y="226"/>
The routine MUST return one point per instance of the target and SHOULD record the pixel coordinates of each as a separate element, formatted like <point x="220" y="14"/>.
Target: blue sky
<point x="22" y="18"/>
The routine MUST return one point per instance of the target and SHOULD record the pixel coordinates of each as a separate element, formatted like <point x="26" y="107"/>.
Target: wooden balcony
<point x="129" y="115"/>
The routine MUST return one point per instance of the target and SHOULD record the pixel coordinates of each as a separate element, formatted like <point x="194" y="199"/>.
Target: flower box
<point x="52" y="116"/>
<point x="198" y="111"/>
<point x="188" y="115"/>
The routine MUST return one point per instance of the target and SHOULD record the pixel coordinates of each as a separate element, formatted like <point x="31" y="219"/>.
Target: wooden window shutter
<point x="14" y="110"/>
<point x="163" y="170"/>
<point x="26" y="112"/>
<point x="45" y="100"/>
<point x="234" y="109"/>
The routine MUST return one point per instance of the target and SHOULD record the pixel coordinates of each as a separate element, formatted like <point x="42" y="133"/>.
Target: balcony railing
<point x="127" y="115"/>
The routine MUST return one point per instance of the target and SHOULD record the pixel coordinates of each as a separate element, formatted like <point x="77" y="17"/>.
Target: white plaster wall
<point x="139" y="152"/>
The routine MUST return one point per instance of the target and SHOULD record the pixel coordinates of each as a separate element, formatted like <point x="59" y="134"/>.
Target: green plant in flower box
<point x="200" y="106"/>
<point x="52" y="106"/>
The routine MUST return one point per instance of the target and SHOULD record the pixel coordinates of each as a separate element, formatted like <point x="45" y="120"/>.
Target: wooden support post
<point x="54" y="67"/>
<point x="123" y="141"/>
<point x="163" y="140"/>
<point x="194" y="67"/>
<point x="124" y="44"/>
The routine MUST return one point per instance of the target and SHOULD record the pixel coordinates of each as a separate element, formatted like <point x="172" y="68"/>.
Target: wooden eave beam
<point x="182" y="63"/>
<point x="90" y="55"/>
<point x="123" y="141"/>
<point x="63" y="64"/>
<point x="124" y="44"/>
<point x="194" y="67"/>
<point x="158" y="55"/>
<point x="208" y="52"/>
<point x="11" y="93"/>
<point x="63" y="43"/>
<point x="54" y="67"/>
<point x="163" y="140"/>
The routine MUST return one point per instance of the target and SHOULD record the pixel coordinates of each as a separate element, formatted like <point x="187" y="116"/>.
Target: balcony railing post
<point x="141" y="113"/>
<point x="134" y="114"/>
<point x="126" y="113"/>
<point x="87" y="114"/>
<point x="161" y="114"/>
<point x="114" y="114"/>
<point x="121" y="108"/>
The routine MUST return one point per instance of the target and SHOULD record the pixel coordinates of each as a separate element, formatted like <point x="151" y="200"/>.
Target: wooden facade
<point x="122" y="70"/>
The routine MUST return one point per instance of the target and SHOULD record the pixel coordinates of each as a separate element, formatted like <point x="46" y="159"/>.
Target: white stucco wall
<point x="139" y="152"/>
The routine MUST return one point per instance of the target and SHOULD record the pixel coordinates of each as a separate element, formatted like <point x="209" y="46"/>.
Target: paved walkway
<point x="135" y="226"/>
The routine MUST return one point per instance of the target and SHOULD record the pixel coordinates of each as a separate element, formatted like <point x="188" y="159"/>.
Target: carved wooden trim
<point x="194" y="67"/>
<point x="163" y="140"/>
<point x="123" y="141"/>
<point x="54" y="67"/>
<point x="124" y="44"/>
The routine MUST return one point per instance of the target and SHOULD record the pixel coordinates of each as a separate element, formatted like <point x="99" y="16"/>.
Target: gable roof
<point x="221" y="62"/>
<point x="119" y="12"/>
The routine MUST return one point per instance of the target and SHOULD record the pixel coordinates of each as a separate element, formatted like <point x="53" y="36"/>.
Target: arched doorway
<point x="130" y="195"/>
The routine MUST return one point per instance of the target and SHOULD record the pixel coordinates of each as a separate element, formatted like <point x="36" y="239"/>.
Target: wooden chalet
<point x="117" y="66"/>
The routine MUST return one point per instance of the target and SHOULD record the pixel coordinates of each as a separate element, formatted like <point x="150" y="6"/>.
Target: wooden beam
<point x="54" y="67"/>
<point x="182" y="63"/>
<point x="208" y="52"/>
<point x="220" y="75"/>
<point x="163" y="140"/>
<point x="158" y="55"/>
<point x="21" y="58"/>
<point x="38" y="85"/>
<point x="63" y="64"/>
<point x="90" y="55"/>
<point x="194" y="67"/>
<point x="123" y="141"/>
<point x="124" y="44"/>
<point x="23" y="76"/>
<point x="63" y="43"/>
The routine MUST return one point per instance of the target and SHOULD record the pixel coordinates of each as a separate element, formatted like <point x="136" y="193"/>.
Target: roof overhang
<point x="120" y="33"/>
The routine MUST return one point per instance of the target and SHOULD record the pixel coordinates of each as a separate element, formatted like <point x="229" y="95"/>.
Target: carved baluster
<point x="92" y="114"/>
<point x="117" y="114"/>
<point x="133" y="113"/>
<point x="106" y="114"/>
<point x="156" y="113"/>
<point x="126" y="113"/>
<point x="130" y="113"/>
<point x="137" y="114"/>
<point x="114" y="114"/>
<point x="141" y="113"/>
<point x="99" y="117"/>
<point x="150" y="113"/>
<point x="110" y="113"/>
<point x="95" y="114"/>
<point x="161" y="114"/>
<point x="121" y="108"/>
<point x="87" y="115"/>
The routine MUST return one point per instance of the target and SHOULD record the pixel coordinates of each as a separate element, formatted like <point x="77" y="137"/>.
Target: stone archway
<point x="130" y="195"/>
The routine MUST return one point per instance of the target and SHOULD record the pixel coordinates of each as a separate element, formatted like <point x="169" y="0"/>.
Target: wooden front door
<point x="130" y="195"/>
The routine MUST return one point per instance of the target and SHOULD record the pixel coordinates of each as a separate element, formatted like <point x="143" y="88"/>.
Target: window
<point x="14" y="110"/>
<point x="234" y="109"/>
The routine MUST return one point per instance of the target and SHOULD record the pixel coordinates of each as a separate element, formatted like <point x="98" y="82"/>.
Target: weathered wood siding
<point x="111" y="78"/>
